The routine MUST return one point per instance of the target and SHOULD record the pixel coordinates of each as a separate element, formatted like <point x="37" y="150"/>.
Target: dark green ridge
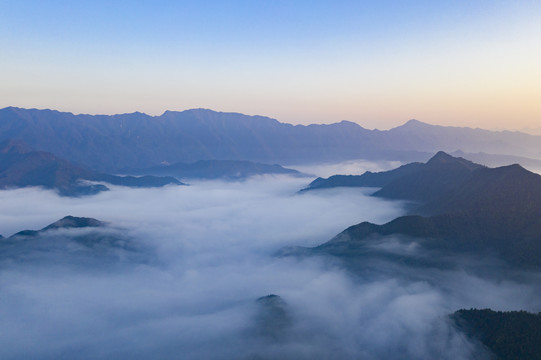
<point x="510" y="335"/>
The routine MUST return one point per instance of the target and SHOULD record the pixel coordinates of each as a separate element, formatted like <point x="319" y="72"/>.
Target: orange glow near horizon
<point x="474" y="65"/>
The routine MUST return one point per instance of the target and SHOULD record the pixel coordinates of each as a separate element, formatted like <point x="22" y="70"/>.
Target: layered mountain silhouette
<point x="214" y="169"/>
<point x="20" y="166"/>
<point x="112" y="143"/>
<point x="460" y="207"/>
<point x="368" y="179"/>
<point x="493" y="160"/>
<point x="414" y="181"/>
<point x="440" y="174"/>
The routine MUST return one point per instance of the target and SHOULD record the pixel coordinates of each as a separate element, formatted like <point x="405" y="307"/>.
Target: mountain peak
<point x="74" y="222"/>
<point x="414" y="123"/>
<point x="442" y="157"/>
<point x="350" y="124"/>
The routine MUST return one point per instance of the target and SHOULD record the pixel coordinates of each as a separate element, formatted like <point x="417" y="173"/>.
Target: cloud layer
<point x="195" y="259"/>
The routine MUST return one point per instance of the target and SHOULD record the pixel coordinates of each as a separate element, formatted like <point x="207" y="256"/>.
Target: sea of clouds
<point x="182" y="283"/>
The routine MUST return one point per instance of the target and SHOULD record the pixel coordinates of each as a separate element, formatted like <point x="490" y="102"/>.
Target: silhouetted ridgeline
<point x="368" y="179"/>
<point x="458" y="206"/>
<point x="111" y="143"/>
<point x="413" y="181"/>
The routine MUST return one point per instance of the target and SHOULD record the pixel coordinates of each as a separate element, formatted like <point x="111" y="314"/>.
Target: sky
<point x="377" y="63"/>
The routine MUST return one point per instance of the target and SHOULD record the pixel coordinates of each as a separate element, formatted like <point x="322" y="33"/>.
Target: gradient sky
<point x="378" y="63"/>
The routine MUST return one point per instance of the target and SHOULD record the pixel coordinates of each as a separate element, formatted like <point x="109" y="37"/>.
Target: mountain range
<point x="20" y="166"/>
<point x="414" y="181"/>
<point x="115" y="142"/>
<point x="460" y="213"/>
<point x="456" y="206"/>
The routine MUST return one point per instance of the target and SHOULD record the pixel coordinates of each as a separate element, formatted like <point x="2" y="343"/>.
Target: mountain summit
<point x="74" y="222"/>
<point x="440" y="174"/>
<point x="466" y="208"/>
<point x="66" y="222"/>
<point x="416" y="182"/>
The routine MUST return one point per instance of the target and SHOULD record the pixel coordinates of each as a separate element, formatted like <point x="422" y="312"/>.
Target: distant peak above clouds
<point x="74" y="222"/>
<point x="415" y="122"/>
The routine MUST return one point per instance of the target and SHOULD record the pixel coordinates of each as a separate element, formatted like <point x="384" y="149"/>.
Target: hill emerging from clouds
<point x="457" y="207"/>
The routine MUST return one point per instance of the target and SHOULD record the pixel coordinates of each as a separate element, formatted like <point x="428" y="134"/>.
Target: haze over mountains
<point x="190" y="268"/>
<point x="464" y="217"/>
<point x="214" y="169"/>
<point x="111" y="143"/>
<point x="20" y="166"/>
<point x="366" y="233"/>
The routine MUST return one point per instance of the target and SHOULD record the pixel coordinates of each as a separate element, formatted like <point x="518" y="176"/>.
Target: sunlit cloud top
<point x="378" y="63"/>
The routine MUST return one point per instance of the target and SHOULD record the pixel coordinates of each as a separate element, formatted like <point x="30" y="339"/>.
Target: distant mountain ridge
<point x="214" y="169"/>
<point x="20" y="166"/>
<point x="110" y="143"/>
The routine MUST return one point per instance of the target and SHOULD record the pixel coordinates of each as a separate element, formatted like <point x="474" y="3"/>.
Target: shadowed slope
<point x="22" y="167"/>
<point x="368" y="179"/>
<point x="487" y="211"/>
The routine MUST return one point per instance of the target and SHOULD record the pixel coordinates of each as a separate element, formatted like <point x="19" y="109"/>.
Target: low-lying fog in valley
<point x="194" y="259"/>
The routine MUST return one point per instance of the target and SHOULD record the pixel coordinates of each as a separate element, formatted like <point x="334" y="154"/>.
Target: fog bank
<point x="193" y="260"/>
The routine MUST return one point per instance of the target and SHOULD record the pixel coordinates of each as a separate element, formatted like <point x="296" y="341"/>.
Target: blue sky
<point x="379" y="63"/>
